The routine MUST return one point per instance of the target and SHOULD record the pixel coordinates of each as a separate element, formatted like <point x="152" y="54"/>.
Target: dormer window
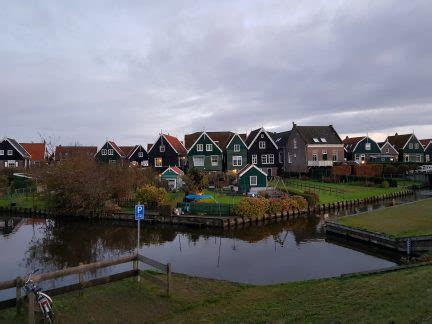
<point x="200" y="147"/>
<point x="262" y="145"/>
<point x="316" y="140"/>
<point x="209" y="147"/>
<point x="162" y="148"/>
<point x="323" y="140"/>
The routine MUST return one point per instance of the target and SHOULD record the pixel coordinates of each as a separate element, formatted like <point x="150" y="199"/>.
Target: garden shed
<point x="251" y="177"/>
<point x="173" y="175"/>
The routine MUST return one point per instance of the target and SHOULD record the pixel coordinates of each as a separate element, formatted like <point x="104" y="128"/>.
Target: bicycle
<point x="44" y="301"/>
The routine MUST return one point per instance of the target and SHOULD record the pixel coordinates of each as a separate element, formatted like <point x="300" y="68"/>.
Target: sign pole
<point x="138" y="232"/>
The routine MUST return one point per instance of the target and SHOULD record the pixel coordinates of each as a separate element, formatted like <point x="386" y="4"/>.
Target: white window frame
<point x="104" y="151"/>
<point x="213" y="161"/>
<point x="411" y="146"/>
<point x="334" y="156"/>
<point x="144" y="163"/>
<point x="200" y="147"/>
<point x="156" y="162"/>
<point x="264" y="159"/>
<point x="262" y="145"/>
<point x="209" y="147"/>
<point x="197" y="158"/>
<point x="1" y="152"/>
<point x="295" y="144"/>
<point x="9" y="152"/>
<point x="387" y="150"/>
<point x="162" y="148"/>
<point x="406" y="158"/>
<point x="324" y="152"/>
<point x="368" y="146"/>
<point x="236" y="147"/>
<point x="110" y="152"/>
<point x="140" y="154"/>
<point x="255" y="182"/>
<point x="254" y="159"/>
<point x="237" y="160"/>
<point x="271" y="159"/>
<point x="289" y="158"/>
<point x="416" y="146"/>
<point x="315" y="156"/>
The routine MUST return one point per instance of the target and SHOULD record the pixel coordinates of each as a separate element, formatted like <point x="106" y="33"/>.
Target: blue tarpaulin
<point x="198" y="197"/>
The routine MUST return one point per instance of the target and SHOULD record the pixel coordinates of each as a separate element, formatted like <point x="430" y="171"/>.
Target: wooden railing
<point x="18" y="283"/>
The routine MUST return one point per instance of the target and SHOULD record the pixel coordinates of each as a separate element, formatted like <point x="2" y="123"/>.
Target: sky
<point x="82" y="72"/>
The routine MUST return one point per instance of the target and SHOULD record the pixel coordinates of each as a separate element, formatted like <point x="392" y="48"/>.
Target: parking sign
<point x="139" y="212"/>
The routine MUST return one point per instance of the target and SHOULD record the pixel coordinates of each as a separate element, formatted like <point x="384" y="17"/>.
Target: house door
<point x="172" y="184"/>
<point x="269" y="172"/>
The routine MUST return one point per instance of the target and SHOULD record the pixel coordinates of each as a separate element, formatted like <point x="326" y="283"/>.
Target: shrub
<point x="301" y="202"/>
<point x="250" y="207"/>
<point x="385" y="184"/>
<point x="151" y="196"/>
<point x="311" y="197"/>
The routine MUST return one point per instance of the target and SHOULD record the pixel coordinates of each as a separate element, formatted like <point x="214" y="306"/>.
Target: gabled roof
<point x="281" y="138"/>
<point x="75" y="151"/>
<point x="215" y="142"/>
<point x="254" y="135"/>
<point x="117" y="149"/>
<point x="21" y="150"/>
<point x="426" y="142"/>
<point x="247" y="167"/>
<point x="381" y="145"/>
<point x="149" y="147"/>
<point x="316" y="134"/>
<point x="175" y="169"/>
<point x="127" y="149"/>
<point x="241" y="136"/>
<point x="399" y="141"/>
<point x="173" y="141"/>
<point x="36" y="150"/>
<point x="219" y="138"/>
<point x="350" y="143"/>
<point x="135" y="148"/>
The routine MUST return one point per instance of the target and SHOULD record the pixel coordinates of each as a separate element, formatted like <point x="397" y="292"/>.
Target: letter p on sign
<point x="139" y="212"/>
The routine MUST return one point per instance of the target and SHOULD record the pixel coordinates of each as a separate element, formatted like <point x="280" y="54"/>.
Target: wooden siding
<point x="169" y="158"/>
<point x="244" y="180"/>
<point x="204" y="140"/>
<point x="229" y="154"/>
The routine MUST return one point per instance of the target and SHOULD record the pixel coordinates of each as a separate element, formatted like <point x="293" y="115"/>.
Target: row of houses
<point x="296" y="150"/>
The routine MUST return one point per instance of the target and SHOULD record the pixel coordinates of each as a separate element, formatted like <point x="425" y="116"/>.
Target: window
<point x="406" y="158"/>
<point x="140" y="154"/>
<point x="200" y="147"/>
<point x="368" y="146"/>
<point x="214" y="160"/>
<point x="356" y="157"/>
<point x="416" y="146"/>
<point x="267" y="159"/>
<point x="254" y="159"/>
<point x="427" y="157"/>
<point x="253" y="180"/>
<point x="9" y="152"/>
<point x="1" y="152"/>
<point x="209" y="147"/>
<point x="144" y="163"/>
<point x="316" y="140"/>
<point x="158" y="162"/>
<point x="198" y="161"/>
<point x="323" y="140"/>
<point x="110" y="152"/>
<point x="314" y="156"/>
<point x="280" y="157"/>
<point x="262" y="135"/>
<point x="294" y="143"/>
<point x="289" y="158"/>
<point x="264" y="159"/>
<point x="104" y="152"/>
<point x="418" y="157"/>
<point x="362" y="157"/>
<point x="237" y="161"/>
<point x="324" y="155"/>
<point x="262" y="145"/>
<point x="162" y="148"/>
<point x="335" y="156"/>
<point x="387" y="150"/>
<point x="411" y="146"/>
<point x="236" y="147"/>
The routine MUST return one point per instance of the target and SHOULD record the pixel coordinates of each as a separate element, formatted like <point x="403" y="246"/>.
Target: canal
<point x="264" y="254"/>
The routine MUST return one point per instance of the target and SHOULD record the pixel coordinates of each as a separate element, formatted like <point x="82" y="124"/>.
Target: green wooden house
<point x="427" y="145"/>
<point x="361" y="149"/>
<point x="173" y="175"/>
<point x="204" y="150"/>
<point x="251" y="178"/>
<point x="235" y="153"/>
<point x="110" y="153"/>
<point x="409" y="147"/>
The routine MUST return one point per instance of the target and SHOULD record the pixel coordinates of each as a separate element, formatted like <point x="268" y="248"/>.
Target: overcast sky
<point x="87" y="71"/>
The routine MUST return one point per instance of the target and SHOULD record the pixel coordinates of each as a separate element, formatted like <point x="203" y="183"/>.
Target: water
<point x="271" y="253"/>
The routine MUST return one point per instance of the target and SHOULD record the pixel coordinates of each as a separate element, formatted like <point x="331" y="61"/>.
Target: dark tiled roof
<point x="21" y="150"/>
<point x="425" y="142"/>
<point x="36" y="150"/>
<point x="242" y="136"/>
<point x="399" y="141"/>
<point x="280" y="138"/>
<point x="351" y="142"/>
<point x="149" y="146"/>
<point x="176" y="144"/>
<point x="127" y="149"/>
<point x="252" y="136"/>
<point x="116" y="148"/>
<point x="220" y="138"/>
<point x="62" y="151"/>
<point x="315" y="134"/>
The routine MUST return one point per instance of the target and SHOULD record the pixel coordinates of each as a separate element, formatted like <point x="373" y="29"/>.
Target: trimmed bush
<point x="151" y="196"/>
<point x="251" y="207"/>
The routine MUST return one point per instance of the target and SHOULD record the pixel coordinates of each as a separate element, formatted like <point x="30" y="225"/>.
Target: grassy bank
<point x="402" y="296"/>
<point x="334" y="192"/>
<point x="23" y="201"/>
<point x="407" y="220"/>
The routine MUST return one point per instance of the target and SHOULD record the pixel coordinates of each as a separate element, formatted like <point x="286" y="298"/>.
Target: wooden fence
<point x="18" y="283"/>
<point x="316" y="187"/>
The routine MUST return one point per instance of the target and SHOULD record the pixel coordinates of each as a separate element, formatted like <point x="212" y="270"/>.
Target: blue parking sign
<point x="139" y="212"/>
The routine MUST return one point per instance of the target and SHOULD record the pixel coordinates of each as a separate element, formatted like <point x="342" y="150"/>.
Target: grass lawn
<point x="401" y="296"/>
<point x="406" y="220"/>
<point x="345" y="191"/>
<point x="23" y="201"/>
<point x="223" y="198"/>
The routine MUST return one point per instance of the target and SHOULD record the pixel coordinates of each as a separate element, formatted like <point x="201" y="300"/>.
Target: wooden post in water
<point x="18" y="283"/>
<point x="31" y="308"/>
<point x="168" y="279"/>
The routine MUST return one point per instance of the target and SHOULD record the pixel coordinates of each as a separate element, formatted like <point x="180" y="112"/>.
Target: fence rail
<point x="82" y="283"/>
<point x="315" y="187"/>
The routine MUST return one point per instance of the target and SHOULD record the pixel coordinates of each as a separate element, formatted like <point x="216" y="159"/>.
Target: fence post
<point x="31" y="308"/>
<point x="18" y="283"/>
<point x="81" y="280"/>
<point x="168" y="279"/>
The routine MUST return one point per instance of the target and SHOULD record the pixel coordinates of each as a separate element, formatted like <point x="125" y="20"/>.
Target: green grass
<point x="23" y="201"/>
<point x="223" y="198"/>
<point x="413" y="219"/>
<point x="175" y="197"/>
<point x="344" y="191"/>
<point x="394" y="297"/>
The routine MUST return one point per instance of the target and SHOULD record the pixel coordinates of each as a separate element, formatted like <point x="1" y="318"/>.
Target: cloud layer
<point x="87" y="71"/>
